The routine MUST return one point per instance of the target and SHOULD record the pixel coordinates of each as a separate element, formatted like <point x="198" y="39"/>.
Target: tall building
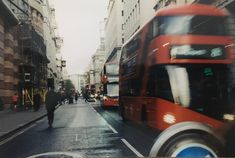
<point x="97" y="64"/>
<point x="25" y="49"/>
<point x="136" y="14"/>
<point x="114" y="36"/>
<point x="54" y="43"/>
<point x="9" y="56"/>
<point x="163" y="3"/>
<point x="30" y="70"/>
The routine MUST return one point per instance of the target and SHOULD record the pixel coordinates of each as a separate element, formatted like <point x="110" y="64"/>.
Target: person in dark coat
<point x="37" y="101"/>
<point x="76" y="97"/>
<point x="51" y="102"/>
<point x="1" y="104"/>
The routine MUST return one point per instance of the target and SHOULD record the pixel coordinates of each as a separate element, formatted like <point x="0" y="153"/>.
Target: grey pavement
<point x="11" y="120"/>
<point x="77" y="129"/>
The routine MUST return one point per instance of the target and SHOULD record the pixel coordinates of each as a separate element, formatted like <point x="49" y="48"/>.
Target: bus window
<point x="155" y="28"/>
<point x="112" y="90"/>
<point x="112" y="69"/>
<point x="202" y="88"/>
<point x="123" y="55"/>
<point x="196" y="25"/>
<point x="159" y="84"/>
<point x="130" y="87"/>
<point x="132" y="47"/>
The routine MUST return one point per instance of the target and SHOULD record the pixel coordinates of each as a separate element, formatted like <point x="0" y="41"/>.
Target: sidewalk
<point x="12" y="120"/>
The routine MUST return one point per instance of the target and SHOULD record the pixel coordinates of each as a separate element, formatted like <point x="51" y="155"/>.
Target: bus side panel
<point x="110" y="102"/>
<point x="132" y="106"/>
<point x="166" y="114"/>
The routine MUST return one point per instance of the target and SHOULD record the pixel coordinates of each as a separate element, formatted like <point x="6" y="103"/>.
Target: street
<point x="84" y="129"/>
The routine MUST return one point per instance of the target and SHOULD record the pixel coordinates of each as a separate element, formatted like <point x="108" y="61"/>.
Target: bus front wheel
<point x="191" y="145"/>
<point x="122" y="112"/>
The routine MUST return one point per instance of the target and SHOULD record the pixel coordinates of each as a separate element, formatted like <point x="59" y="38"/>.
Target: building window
<point x="122" y="13"/>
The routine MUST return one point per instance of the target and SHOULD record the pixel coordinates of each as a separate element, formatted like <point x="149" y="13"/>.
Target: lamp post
<point x="62" y="63"/>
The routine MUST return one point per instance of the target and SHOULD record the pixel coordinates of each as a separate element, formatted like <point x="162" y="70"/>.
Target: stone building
<point x="23" y="50"/>
<point x="8" y="53"/>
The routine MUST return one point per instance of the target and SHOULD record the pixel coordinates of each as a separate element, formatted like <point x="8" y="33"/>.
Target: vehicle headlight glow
<point x="169" y="118"/>
<point x="229" y="117"/>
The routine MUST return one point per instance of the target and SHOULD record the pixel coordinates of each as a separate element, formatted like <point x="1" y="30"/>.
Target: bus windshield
<point x="196" y="25"/>
<point x="202" y="88"/>
<point x="112" y="90"/>
<point x="112" y="69"/>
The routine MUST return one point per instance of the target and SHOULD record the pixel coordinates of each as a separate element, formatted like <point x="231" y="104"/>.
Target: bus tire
<point x="185" y="138"/>
<point x="122" y="113"/>
<point x="191" y="145"/>
<point x="124" y="119"/>
<point x="143" y="114"/>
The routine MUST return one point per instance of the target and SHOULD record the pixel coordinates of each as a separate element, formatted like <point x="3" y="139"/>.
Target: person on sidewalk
<point x="76" y="97"/>
<point x="15" y="98"/>
<point x="1" y="104"/>
<point x="51" y="102"/>
<point x="37" y="101"/>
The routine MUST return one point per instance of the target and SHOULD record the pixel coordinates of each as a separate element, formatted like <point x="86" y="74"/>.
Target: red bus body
<point x="178" y="53"/>
<point x="110" y="85"/>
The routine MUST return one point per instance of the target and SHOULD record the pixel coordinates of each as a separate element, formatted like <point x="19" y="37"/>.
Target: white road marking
<point x="132" y="148"/>
<point x="15" y="135"/>
<point x="76" y="139"/>
<point x="114" y="130"/>
<point x="20" y="125"/>
<point x="123" y="140"/>
<point x="111" y="127"/>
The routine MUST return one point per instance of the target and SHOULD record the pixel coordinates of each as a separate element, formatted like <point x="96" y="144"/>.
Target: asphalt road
<point x="80" y="130"/>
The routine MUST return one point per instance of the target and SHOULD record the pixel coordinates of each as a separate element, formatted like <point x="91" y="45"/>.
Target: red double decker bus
<point x="110" y="87"/>
<point x="174" y="76"/>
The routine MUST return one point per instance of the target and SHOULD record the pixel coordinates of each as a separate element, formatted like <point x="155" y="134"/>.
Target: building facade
<point x="54" y="43"/>
<point x="98" y="61"/>
<point x="136" y="14"/>
<point x="114" y="35"/>
<point x="8" y="53"/>
<point x="24" y="50"/>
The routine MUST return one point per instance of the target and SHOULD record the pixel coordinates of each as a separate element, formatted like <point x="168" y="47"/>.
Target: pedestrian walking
<point x="15" y="98"/>
<point x="76" y="97"/>
<point x="37" y="101"/>
<point x="51" y="102"/>
<point x="1" y="104"/>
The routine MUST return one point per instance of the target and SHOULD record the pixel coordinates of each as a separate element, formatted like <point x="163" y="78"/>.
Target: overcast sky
<point x="79" y="25"/>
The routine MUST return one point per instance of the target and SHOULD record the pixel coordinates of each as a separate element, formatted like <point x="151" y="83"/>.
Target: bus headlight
<point x="105" y="98"/>
<point x="169" y="118"/>
<point x="229" y="117"/>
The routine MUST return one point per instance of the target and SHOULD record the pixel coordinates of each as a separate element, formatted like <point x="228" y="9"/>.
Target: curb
<point x="14" y="131"/>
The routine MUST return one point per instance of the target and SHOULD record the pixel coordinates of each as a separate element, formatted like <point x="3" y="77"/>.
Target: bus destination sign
<point x="211" y="52"/>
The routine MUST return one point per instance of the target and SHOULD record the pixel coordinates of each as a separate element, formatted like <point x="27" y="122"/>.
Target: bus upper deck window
<point x="155" y="28"/>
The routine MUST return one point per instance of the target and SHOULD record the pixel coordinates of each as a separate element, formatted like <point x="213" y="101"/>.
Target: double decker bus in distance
<point x="110" y="87"/>
<point x="174" y="78"/>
